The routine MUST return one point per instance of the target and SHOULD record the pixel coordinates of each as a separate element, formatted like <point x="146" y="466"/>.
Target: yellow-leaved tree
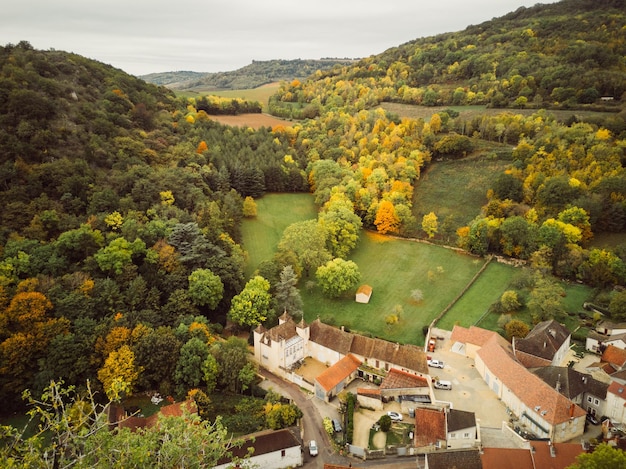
<point x="119" y="373"/>
<point x="387" y="220"/>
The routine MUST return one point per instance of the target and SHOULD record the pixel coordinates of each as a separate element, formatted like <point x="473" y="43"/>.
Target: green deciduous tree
<point x="252" y="306"/>
<point x="205" y="288"/>
<point x="307" y="240"/>
<point x="341" y="225"/>
<point x="546" y="300"/>
<point x="603" y="456"/>
<point x="118" y="254"/>
<point x="188" y="372"/>
<point x="337" y="276"/>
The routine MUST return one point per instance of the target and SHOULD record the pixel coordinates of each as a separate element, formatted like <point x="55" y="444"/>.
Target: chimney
<point x="552" y="449"/>
<point x="552" y="332"/>
<point x="572" y="407"/>
<point x="558" y="383"/>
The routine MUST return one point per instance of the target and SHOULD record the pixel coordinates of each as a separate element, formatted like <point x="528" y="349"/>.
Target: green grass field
<point x="260" y="94"/>
<point x="275" y="212"/>
<point x="487" y="289"/>
<point x="455" y="188"/>
<point x="394" y="268"/>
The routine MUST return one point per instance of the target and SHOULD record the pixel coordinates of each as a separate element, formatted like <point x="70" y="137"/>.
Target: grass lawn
<point x="260" y="94"/>
<point x="275" y="212"/>
<point x="455" y="188"/>
<point x="575" y="296"/>
<point x="487" y="289"/>
<point x="394" y="268"/>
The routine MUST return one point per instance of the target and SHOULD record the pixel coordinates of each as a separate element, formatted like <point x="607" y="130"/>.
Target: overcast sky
<point x="145" y="36"/>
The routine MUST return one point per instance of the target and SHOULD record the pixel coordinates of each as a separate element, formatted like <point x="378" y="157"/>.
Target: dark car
<point x="592" y="419"/>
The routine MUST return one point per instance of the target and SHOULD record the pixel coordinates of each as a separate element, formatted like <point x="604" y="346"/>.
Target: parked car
<point x="394" y="416"/>
<point x="442" y="384"/>
<point x="435" y="363"/>
<point x="313" y="448"/>
<point x="337" y="426"/>
<point x="592" y="419"/>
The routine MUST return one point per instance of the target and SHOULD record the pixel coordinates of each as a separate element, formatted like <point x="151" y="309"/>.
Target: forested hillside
<point x="121" y="256"/>
<point x="258" y="73"/>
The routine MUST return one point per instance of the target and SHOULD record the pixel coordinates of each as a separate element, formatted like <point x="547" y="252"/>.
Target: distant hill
<point x="258" y="73"/>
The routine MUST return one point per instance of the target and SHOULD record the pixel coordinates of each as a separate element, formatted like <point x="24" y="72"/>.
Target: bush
<point x="385" y="423"/>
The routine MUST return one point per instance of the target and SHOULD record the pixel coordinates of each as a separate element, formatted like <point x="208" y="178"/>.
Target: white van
<point x="441" y="384"/>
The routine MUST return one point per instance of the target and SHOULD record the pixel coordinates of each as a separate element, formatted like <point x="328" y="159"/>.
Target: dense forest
<point x="121" y="261"/>
<point x="258" y="73"/>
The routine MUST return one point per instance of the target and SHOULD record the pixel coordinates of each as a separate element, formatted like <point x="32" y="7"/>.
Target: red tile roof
<point x="474" y="335"/>
<point x="617" y="389"/>
<point x="506" y="458"/>
<point x="338" y="372"/>
<point x="430" y="426"/>
<point x="398" y="379"/>
<point x="561" y="455"/>
<point x="614" y="355"/>
<point x="529" y="388"/>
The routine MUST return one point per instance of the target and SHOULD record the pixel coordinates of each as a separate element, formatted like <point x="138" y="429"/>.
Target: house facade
<point x="282" y="347"/>
<point x="616" y="402"/>
<point x="537" y="406"/>
<point x="462" y="430"/>
<point x="271" y="449"/>
<point x="545" y="345"/>
<point x="580" y="388"/>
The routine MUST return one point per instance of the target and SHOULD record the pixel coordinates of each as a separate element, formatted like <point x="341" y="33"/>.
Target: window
<point x="589" y="399"/>
<point x="596" y="402"/>
<point x="452" y="436"/>
<point x="283" y="453"/>
<point x="466" y="435"/>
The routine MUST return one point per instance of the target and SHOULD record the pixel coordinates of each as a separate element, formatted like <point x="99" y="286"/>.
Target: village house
<point x="612" y="365"/>
<point x="616" y="403"/>
<point x="606" y="333"/>
<point x="281" y="348"/>
<point x="580" y="388"/>
<point x="545" y="345"/>
<point x="467" y="459"/>
<point x="269" y="449"/>
<point x="537" y="406"/>
<point x="445" y="428"/>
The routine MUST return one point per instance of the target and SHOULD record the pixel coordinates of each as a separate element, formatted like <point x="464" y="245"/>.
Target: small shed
<point x="363" y="294"/>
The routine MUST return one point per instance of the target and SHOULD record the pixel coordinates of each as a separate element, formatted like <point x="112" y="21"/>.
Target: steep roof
<point x="529" y="388"/>
<point x="284" y="331"/>
<point x="474" y="335"/>
<point x="544" y="340"/>
<point x="466" y="459"/>
<point x="264" y="442"/>
<point x="407" y="356"/>
<point x="430" y="426"/>
<point x="334" y="375"/>
<point x="331" y="337"/>
<point x="569" y="382"/>
<point x="617" y="389"/>
<point x="398" y="379"/>
<point x="614" y="355"/>
<point x="460" y="419"/>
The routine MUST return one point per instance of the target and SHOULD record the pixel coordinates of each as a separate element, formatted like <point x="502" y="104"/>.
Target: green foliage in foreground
<point x="74" y="432"/>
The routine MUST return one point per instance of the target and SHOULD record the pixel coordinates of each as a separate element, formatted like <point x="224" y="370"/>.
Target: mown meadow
<point x="393" y="267"/>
